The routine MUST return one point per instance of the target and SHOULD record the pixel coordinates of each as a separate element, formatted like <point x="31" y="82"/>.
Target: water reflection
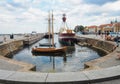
<point x="52" y="57"/>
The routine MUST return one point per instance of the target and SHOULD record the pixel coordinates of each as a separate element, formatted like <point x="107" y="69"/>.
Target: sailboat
<point x="50" y="49"/>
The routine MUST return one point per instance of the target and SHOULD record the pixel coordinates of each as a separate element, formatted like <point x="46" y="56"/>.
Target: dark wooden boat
<point x="49" y="50"/>
<point x="58" y="54"/>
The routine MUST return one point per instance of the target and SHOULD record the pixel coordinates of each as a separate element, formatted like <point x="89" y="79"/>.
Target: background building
<point x="92" y="29"/>
<point x="106" y="28"/>
<point x="117" y="27"/>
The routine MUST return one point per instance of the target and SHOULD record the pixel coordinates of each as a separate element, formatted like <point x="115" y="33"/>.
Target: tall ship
<point x="66" y="35"/>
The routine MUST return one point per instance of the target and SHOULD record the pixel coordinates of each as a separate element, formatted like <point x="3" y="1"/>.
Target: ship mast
<point x="49" y="24"/>
<point x="52" y="30"/>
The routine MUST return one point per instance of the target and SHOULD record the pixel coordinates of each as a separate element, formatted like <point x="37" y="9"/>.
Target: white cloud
<point x="113" y="6"/>
<point x="32" y="14"/>
<point x="96" y="14"/>
<point x="73" y="2"/>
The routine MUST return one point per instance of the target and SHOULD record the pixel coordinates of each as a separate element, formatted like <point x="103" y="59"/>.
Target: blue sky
<point x="99" y="2"/>
<point x="25" y="16"/>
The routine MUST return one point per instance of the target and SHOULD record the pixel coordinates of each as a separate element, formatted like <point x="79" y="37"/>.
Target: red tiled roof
<point x="92" y="26"/>
<point x="104" y="25"/>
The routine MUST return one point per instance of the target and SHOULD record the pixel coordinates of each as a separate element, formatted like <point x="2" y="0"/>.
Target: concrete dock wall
<point x="107" y="46"/>
<point x="7" y="48"/>
<point x="99" y="44"/>
<point x="103" y="45"/>
<point x="10" y="47"/>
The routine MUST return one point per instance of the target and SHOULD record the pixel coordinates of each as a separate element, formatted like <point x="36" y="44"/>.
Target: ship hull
<point x="67" y="39"/>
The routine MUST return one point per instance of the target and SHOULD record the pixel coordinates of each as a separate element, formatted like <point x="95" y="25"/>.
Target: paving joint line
<point x="46" y="77"/>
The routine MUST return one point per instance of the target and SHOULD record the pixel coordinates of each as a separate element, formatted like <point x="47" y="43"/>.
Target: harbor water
<point x="73" y="61"/>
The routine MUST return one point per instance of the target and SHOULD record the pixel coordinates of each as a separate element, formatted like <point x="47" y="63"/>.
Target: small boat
<point x="49" y="50"/>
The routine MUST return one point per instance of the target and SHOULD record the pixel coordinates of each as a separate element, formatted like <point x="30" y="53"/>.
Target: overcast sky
<point x="25" y="16"/>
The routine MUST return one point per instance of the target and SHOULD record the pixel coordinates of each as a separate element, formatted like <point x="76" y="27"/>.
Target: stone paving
<point x="8" y="66"/>
<point x="13" y="65"/>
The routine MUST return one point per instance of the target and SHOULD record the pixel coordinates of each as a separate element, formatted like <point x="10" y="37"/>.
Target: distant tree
<point x="78" y="28"/>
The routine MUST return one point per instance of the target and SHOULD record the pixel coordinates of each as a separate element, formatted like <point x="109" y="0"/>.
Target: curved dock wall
<point x="99" y="44"/>
<point x="7" y="48"/>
